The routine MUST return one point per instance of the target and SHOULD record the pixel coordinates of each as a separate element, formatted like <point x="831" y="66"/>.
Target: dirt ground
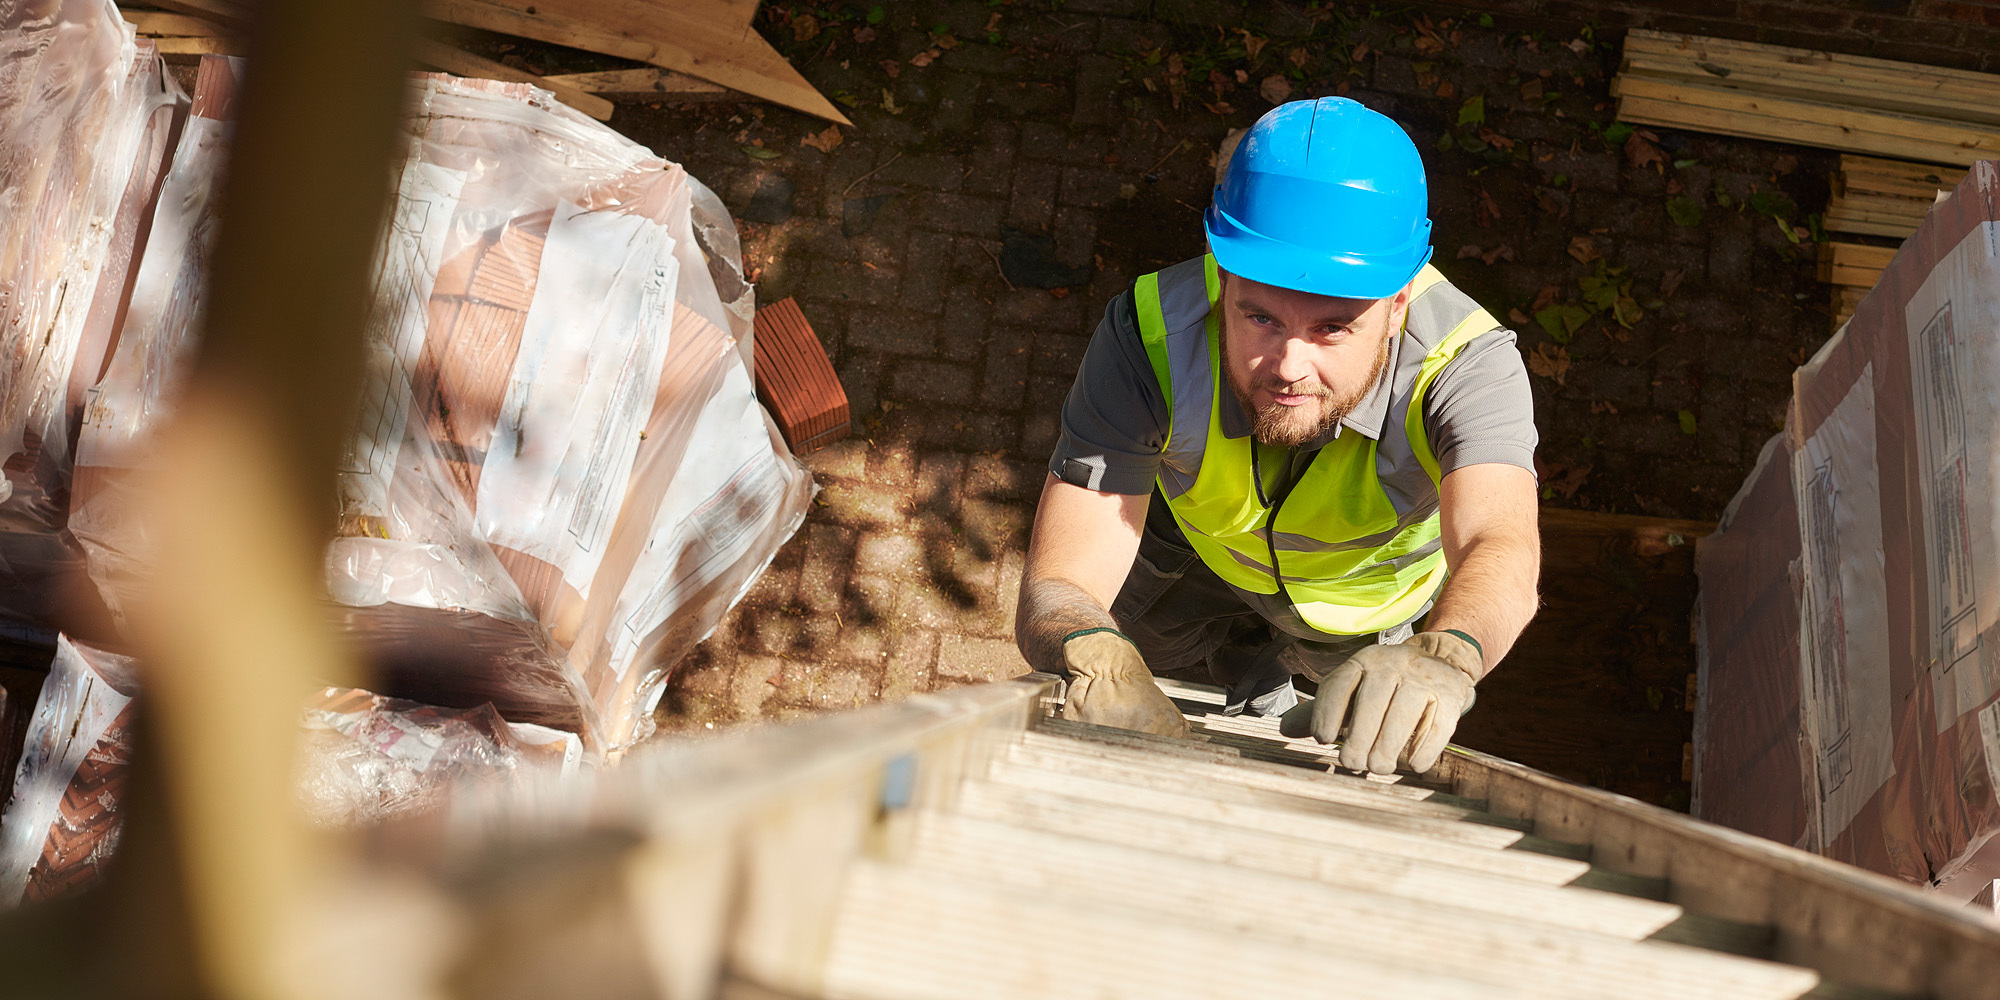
<point x="1013" y="166"/>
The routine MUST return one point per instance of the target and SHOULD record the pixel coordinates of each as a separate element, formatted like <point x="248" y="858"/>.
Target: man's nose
<point x="1292" y="362"/>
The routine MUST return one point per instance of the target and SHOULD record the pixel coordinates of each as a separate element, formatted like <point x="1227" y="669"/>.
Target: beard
<point x="1284" y="426"/>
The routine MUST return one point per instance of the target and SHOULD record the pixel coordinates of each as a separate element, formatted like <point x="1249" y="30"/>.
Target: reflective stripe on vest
<point x="1351" y="552"/>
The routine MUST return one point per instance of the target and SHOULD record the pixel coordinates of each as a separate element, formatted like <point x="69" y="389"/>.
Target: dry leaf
<point x="1640" y="153"/>
<point x="1486" y="211"/>
<point x="805" y="27"/>
<point x="889" y="103"/>
<point x="1242" y="77"/>
<point x="993" y="23"/>
<point x="1429" y="45"/>
<point x="1546" y="298"/>
<point x="1469" y="250"/>
<point x="1175" y="66"/>
<point x="825" y="142"/>
<point x="1517" y="317"/>
<point x="946" y="42"/>
<point x="1275" y="89"/>
<point x="1569" y="481"/>
<point x="1785" y="164"/>
<point x="1299" y="56"/>
<point x="1446" y="90"/>
<point x="1495" y="139"/>
<point x="1252" y="44"/>
<point x="1578" y="46"/>
<point x="1584" y="249"/>
<point x="1501" y="252"/>
<point x="864" y="35"/>
<point x="892" y="67"/>
<point x="1221" y="108"/>
<point x="1670" y="282"/>
<point x="1360" y="52"/>
<point x="925" y="58"/>
<point x="1531" y="91"/>
<point x="1603" y="406"/>
<point x="1549" y="361"/>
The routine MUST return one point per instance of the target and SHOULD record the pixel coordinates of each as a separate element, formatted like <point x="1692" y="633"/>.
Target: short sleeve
<point x="1481" y="409"/>
<point x="1114" y="423"/>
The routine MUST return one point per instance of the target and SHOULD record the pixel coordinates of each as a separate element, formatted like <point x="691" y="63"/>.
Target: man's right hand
<point x="1109" y="685"/>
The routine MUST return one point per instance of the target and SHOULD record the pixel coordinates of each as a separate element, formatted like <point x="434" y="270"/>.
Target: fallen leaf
<point x="1561" y="322"/>
<point x="1429" y="45"/>
<point x="1566" y="479"/>
<point x="1495" y="139"/>
<point x="1531" y="91"/>
<point x="1176" y="66"/>
<point x="1785" y="164"/>
<point x="1486" y="211"/>
<point x="1545" y="297"/>
<point x="993" y="22"/>
<point x="825" y="142"/>
<point x="1446" y="90"/>
<point x="945" y="42"/>
<point x="1584" y="249"/>
<point x="1518" y="318"/>
<point x="1603" y="406"/>
<point x="1685" y="211"/>
<point x="1549" y="361"/>
<point x="1242" y="76"/>
<point x="1671" y="281"/>
<point x="1469" y="250"/>
<point x="760" y="153"/>
<point x="864" y="35"/>
<point x="1473" y="111"/>
<point x="1687" y="422"/>
<point x="1275" y="89"/>
<point x="1626" y="311"/>
<point x="1252" y="44"/>
<point x="1299" y="56"/>
<point x="1674" y="185"/>
<point x="889" y="103"/>
<point x="1359" y="52"/>
<point x="1578" y="46"/>
<point x="925" y="58"/>
<point x="1640" y="153"/>
<point x="1501" y="252"/>
<point x="892" y="67"/>
<point x="1221" y="108"/>
<point x="805" y="27"/>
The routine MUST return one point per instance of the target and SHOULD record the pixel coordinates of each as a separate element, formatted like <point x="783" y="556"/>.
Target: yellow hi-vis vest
<point x="1354" y="545"/>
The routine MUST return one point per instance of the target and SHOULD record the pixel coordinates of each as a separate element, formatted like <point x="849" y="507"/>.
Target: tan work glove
<point x="1406" y="696"/>
<point x="1109" y="685"/>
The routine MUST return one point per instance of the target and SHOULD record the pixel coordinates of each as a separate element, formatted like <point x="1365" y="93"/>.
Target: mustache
<point x="1307" y="387"/>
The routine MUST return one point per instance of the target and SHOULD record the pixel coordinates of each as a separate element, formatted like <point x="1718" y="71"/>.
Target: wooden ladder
<point x="971" y="844"/>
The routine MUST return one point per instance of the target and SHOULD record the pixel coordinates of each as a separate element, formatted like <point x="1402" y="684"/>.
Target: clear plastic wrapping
<point x="561" y="478"/>
<point x="62" y="821"/>
<point x="86" y="116"/>
<point x="365" y="758"/>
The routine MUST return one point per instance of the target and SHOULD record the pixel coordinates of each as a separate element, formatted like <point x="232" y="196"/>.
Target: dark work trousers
<point x="1190" y="625"/>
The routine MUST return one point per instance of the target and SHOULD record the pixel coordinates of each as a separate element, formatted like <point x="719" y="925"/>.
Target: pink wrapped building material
<point x="1850" y="672"/>
<point x="86" y="119"/>
<point x="366" y="758"/>
<point x="62" y="822"/>
<point x="562" y="478"/>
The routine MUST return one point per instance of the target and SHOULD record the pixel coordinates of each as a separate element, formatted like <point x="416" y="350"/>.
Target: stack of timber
<point x="690" y="49"/>
<point x="1876" y="197"/>
<point x="1850" y="103"/>
<point x="1852" y="269"/>
<point x="970" y="843"/>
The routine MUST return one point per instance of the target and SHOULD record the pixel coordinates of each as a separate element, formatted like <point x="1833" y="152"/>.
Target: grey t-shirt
<point x="1114" y="422"/>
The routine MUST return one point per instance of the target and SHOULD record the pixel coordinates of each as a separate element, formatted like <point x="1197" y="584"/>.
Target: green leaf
<point x="1603" y="295"/>
<point x="1785" y="226"/>
<point x="1560" y="322"/>
<point x="1626" y="311"/>
<point x="1818" y="227"/>
<point x="877" y="13"/>
<point x="1486" y="20"/>
<point x="1654" y="698"/>
<point x="1617" y="133"/>
<point x="1446" y="144"/>
<point x="1683" y="164"/>
<point x="1684" y="211"/>
<point x="1687" y="422"/>
<point x="1773" y="203"/>
<point x="760" y="153"/>
<point x="1473" y="111"/>
<point x="1559" y="180"/>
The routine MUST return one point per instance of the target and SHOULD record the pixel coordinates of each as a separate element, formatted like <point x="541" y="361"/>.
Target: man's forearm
<point x="1049" y="610"/>
<point x="1491" y="595"/>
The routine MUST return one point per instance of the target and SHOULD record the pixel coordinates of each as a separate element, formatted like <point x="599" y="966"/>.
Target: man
<point x="1307" y="432"/>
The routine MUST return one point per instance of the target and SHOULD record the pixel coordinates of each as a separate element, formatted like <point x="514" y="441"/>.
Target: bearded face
<point x="1299" y="362"/>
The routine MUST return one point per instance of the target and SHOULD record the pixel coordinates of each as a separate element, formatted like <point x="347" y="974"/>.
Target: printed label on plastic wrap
<point x="406" y="266"/>
<point x="722" y="498"/>
<point x="1844" y="613"/>
<point x="388" y="734"/>
<point x="581" y="391"/>
<point x="1954" y="323"/>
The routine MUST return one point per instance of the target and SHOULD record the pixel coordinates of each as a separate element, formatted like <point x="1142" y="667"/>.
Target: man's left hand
<point x="1409" y="695"/>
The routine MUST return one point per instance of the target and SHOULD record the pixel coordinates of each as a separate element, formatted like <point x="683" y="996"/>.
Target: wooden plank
<point x="1812" y="117"/>
<point x="678" y="37"/>
<point x="1777" y="128"/>
<point x="462" y="63"/>
<point x="230" y="12"/>
<point x="1874" y="175"/>
<point x="1861" y="928"/>
<point x="189" y="48"/>
<point x="630" y="82"/>
<point x="1856" y="264"/>
<point x="1708" y="48"/>
<point x="1561" y="961"/>
<point x="1881" y="92"/>
<point x="160" y="24"/>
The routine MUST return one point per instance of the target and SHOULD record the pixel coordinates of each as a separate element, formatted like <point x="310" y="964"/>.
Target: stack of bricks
<point x="795" y="380"/>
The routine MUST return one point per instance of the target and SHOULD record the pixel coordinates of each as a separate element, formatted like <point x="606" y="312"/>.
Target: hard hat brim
<point x="1241" y="250"/>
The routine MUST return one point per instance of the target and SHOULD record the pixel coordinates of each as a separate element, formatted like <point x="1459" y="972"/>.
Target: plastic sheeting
<point x="366" y="758"/>
<point x="62" y="821"/>
<point x="561" y="478"/>
<point x="1850" y="663"/>
<point x="86" y="118"/>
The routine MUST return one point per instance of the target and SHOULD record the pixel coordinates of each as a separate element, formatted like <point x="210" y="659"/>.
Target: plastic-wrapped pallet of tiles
<point x="62" y="821"/>
<point x="86" y="116"/>
<point x="562" y="478"/>
<point x="1850" y="607"/>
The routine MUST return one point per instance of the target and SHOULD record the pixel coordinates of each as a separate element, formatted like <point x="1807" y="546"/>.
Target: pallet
<point x="796" y="381"/>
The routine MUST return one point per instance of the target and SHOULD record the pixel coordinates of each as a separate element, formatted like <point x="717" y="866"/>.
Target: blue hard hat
<point x="1323" y="196"/>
